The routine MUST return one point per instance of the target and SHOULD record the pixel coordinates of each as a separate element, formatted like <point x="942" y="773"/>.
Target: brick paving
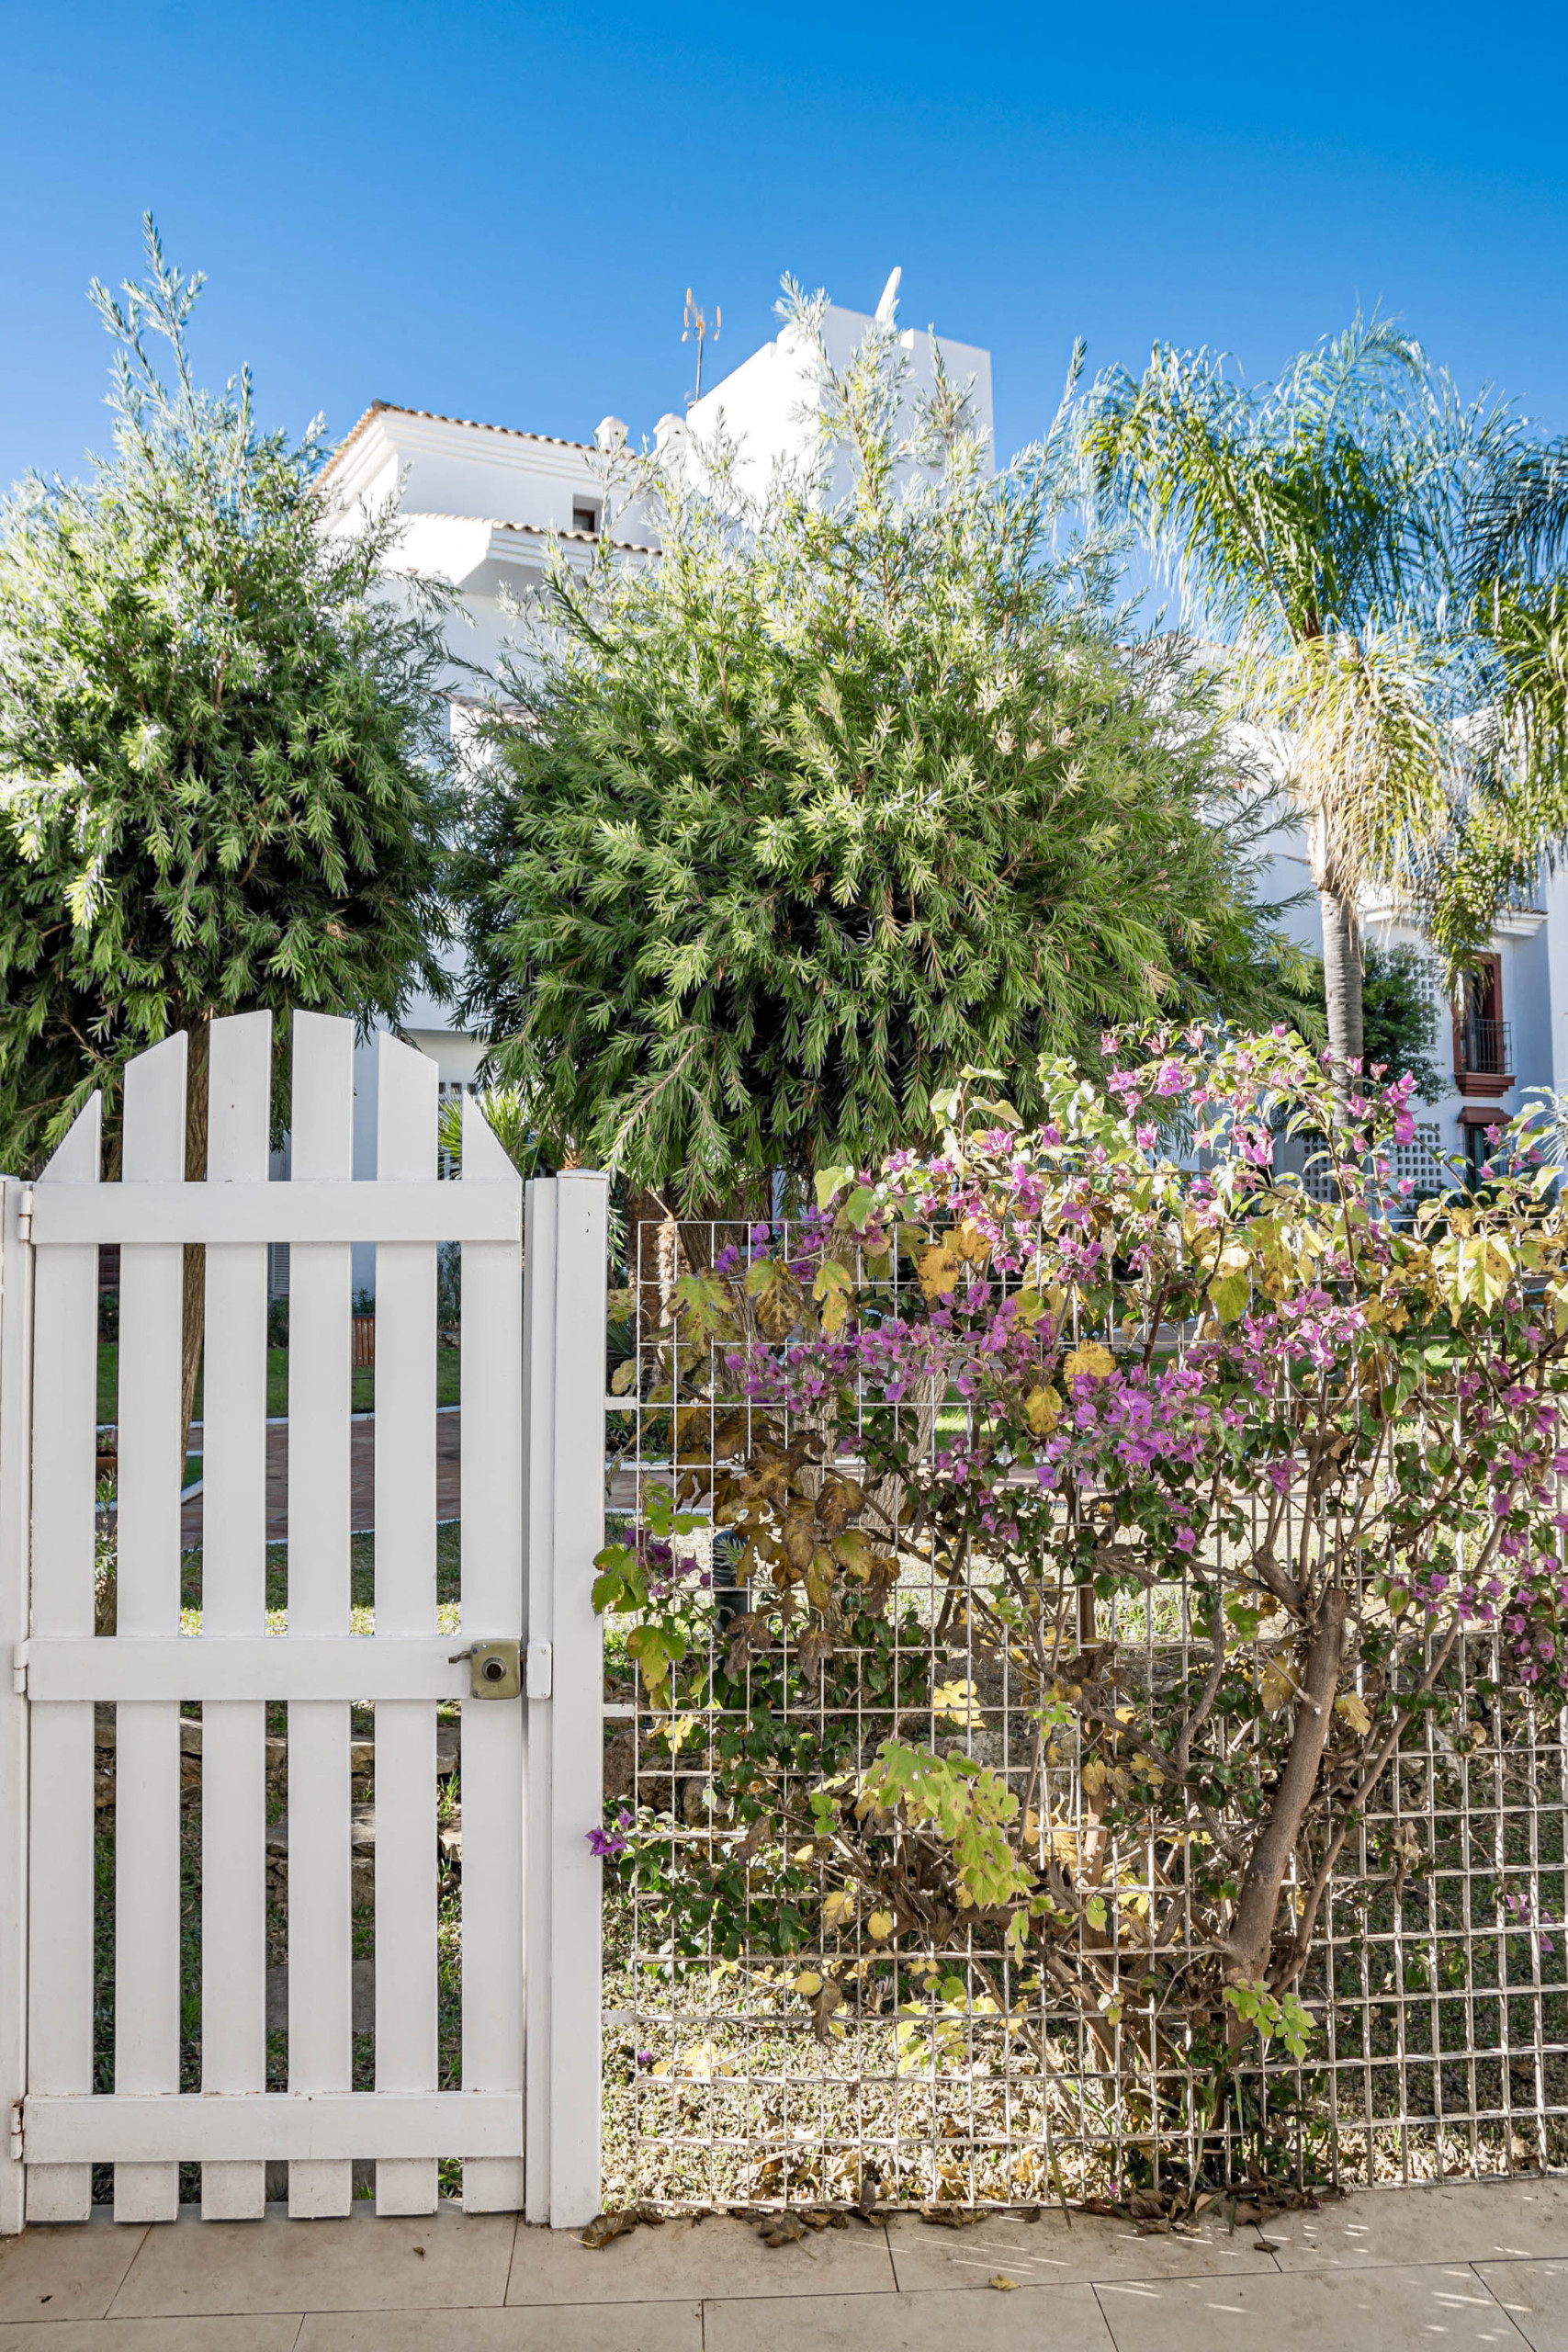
<point x="362" y="1476"/>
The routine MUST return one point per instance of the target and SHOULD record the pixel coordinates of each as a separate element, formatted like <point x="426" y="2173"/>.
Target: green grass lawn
<point x="447" y="1361"/>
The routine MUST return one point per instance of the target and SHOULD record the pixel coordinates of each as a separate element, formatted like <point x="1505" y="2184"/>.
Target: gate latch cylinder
<point x="495" y="1670"/>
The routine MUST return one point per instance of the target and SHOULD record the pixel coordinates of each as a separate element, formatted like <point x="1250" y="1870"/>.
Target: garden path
<point x="362" y="1476"/>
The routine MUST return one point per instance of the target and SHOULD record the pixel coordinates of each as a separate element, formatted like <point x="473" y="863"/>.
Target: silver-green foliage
<point x="222" y="750"/>
<point x="840" y="794"/>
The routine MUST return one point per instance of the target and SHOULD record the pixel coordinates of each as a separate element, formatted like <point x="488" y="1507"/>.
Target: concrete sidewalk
<point x="1461" y="2264"/>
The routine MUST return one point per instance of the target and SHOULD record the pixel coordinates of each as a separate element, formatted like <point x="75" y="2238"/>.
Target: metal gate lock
<point x="495" y="1670"/>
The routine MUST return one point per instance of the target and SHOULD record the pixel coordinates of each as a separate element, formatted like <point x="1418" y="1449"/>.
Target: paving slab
<point x="1043" y="2319"/>
<point x="686" y="2261"/>
<point x="1054" y="2250"/>
<point x="278" y="2332"/>
<point x="1535" y="2296"/>
<point x="66" y="2270"/>
<point x="443" y="2261"/>
<point x="1466" y="2221"/>
<point x="555" y="2327"/>
<point x="1372" y="2310"/>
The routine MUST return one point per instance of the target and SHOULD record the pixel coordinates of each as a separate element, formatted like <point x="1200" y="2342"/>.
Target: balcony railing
<point x="1485" y="1047"/>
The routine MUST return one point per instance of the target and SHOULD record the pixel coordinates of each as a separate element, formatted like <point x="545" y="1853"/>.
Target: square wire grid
<point x="1438" y="1985"/>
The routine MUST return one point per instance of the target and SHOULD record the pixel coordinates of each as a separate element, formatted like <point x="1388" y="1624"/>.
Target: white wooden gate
<point x="524" y="2122"/>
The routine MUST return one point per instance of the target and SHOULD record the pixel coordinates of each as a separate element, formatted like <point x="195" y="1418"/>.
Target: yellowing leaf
<point x="971" y="1244"/>
<point x="1090" y="1358"/>
<point x="1355" y="1711"/>
<point x="623" y="1377"/>
<point x="879" y="1926"/>
<point x="1277" y="1685"/>
<point x="834" y="1289"/>
<point x="777" y="1296"/>
<point x="1043" y="1410"/>
<point x="839" y="1910"/>
<point x="1002" y="2282"/>
<point x="954" y="1702"/>
<point x="809" y="1983"/>
<point x="938" y="1271"/>
<point x="1230" y="1295"/>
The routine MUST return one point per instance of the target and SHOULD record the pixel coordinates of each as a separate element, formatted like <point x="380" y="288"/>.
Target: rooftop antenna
<point x="887" y="309"/>
<point x="697" y="327"/>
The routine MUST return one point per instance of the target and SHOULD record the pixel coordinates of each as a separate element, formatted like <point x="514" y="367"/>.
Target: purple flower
<point x="606" y="1844"/>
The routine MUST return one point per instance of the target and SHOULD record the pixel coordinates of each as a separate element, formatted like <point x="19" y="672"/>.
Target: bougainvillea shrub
<point x="1062" y="1533"/>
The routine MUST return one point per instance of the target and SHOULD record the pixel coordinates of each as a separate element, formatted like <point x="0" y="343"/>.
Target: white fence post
<point x="564" y="1305"/>
<point x="16" y="1304"/>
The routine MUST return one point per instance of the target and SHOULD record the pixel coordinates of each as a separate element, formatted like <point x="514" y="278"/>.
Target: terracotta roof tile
<point x="434" y="416"/>
<point x="530" y="530"/>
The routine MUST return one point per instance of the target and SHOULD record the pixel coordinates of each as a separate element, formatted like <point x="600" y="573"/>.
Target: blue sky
<point x="495" y="210"/>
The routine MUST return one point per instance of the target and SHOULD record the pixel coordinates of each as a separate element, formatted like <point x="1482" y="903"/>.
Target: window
<point x="584" y="517"/>
<point x="1482" y="1043"/>
<point x="1477" y="1150"/>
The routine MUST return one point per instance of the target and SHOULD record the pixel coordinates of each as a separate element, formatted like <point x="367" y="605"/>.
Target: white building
<point x="483" y="504"/>
<point x="1511" y="1034"/>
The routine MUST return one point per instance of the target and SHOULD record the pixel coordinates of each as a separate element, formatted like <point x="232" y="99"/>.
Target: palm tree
<point x="1312" y="523"/>
<point x="1515" y="579"/>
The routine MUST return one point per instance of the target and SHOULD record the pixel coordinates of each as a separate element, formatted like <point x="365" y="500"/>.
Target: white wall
<point x="768" y="405"/>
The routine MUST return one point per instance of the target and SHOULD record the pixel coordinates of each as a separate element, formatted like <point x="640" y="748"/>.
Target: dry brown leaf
<point x="820" y="1577"/>
<point x="841" y="1500"/>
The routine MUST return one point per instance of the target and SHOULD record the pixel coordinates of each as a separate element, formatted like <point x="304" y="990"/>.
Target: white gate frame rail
<point x="563" y="1504"/>
<point x="16" y="1448"/>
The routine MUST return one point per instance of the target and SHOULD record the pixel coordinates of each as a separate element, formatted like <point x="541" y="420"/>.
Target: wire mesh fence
<point x="776" y="2032"/>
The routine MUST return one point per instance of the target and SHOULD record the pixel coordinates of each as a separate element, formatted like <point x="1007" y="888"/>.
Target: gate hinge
<point x="19" y="1669"/>
<point x="541" y="1670"/>
<point x="25" y="1214"/>
<point x="17" y="2136"/>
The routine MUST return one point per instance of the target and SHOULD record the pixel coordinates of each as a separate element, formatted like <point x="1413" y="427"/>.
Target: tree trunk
<point x="1247" y="1959"/>
<point x="194" y="1310"/>
<point x="1342" y="978"/>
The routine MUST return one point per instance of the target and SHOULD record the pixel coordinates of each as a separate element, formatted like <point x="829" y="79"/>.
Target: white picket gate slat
<point x="524" y="1576"/>
<point x="61" y="1864"/>
<point x="406" y="1111"/>
<point x="233" y="1606"/>
<point x="147" y="1731"/>
<point x="493" y="1737"/>
<point x="320" y="1378"/>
